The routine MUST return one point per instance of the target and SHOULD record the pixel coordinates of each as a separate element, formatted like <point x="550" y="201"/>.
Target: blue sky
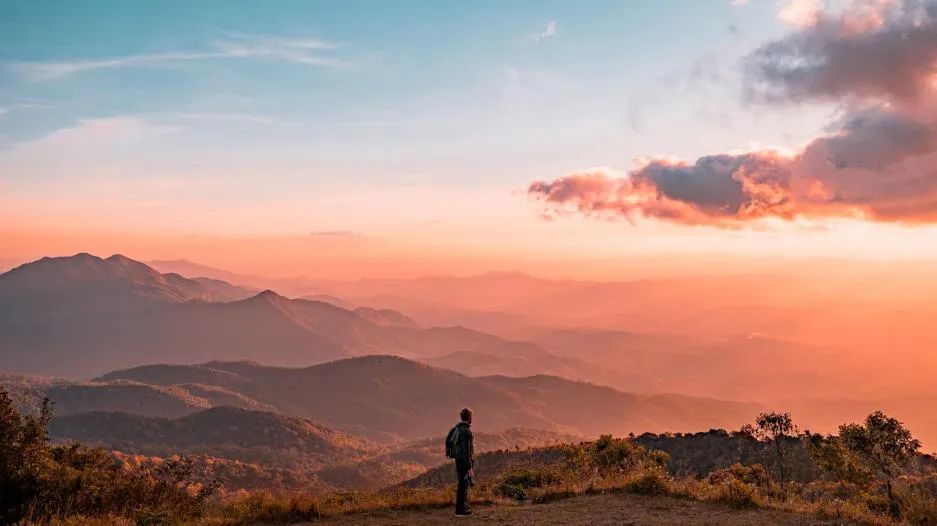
<point x="398" y="85"/>
<point x="392" y="120"/>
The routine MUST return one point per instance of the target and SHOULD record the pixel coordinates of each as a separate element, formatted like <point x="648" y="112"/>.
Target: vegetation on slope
<point x="870" y="472"/>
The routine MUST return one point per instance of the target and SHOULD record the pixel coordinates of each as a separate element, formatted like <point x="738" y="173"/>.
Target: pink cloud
<point x="877" y="59"/>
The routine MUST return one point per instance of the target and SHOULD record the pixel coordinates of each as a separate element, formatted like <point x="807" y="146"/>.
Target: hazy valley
<point x="320" y="393"/>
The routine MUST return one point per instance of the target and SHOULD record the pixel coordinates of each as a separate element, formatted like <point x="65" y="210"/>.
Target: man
<point x="460" y="446"/>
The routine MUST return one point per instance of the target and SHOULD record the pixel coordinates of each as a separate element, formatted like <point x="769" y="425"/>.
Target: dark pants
<point x="461" y="493"/>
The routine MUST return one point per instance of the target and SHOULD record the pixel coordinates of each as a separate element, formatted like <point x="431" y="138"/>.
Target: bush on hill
<point x="41" y="482"/>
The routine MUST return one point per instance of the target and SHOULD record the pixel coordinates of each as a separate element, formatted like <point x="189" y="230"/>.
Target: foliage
<point x="774" y="429"/>
<point x="653" y="481"/>
<point x="41" y="482"/>
<point x="609" y="456"/>
<point x="515" y="484"/>
<point x="75" y="485"/>
<point x="263" y="506"/>
<point x="698" y="454"/>
<point x="918" y="500"/>
<point x="885" y="446"/>
<point x="836" y="462"/>
<point x="754" y="474"/>
<point x="737" y="494"/>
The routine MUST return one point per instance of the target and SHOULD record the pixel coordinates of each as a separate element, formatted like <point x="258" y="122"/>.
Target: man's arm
<point x="471" y="449"/>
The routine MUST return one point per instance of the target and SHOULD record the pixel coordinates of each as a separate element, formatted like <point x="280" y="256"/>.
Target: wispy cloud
<point x="548" y="31"/>
<point x="336" y="234"/>
<point x="304" y="51"/>
<point x="222" y="119"/>
<point x="22" y="105"/>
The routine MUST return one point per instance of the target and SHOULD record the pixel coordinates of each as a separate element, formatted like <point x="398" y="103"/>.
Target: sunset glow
<point x="623" y="251"/>
<point x="426" y="178"/>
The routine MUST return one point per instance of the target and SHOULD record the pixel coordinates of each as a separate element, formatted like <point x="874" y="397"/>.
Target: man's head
<point x="466" y="415"/>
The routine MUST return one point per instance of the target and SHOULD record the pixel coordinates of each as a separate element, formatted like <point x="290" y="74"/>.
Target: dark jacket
<point x="466" y="454"/>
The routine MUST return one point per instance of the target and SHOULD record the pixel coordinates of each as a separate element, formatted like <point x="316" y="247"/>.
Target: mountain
<point x="275" y="451"/>
<point x="382" y="397"/>
<point x="80" y="315"/>
<point x="194" y="270"/>
<point x="386" y="317"/>
<point x="128" y="396"/>
<point x="124" y="396"/>
<point x="412" y="459"/>
<point x="593" y="409"/>
<point x="254" y="437"/>
<point x="224" y="291"/>
<point x="394" y="399"/>
<point x="92" y="281"/>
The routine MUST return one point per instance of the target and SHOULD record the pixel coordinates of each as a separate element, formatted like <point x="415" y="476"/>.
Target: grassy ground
<point x="592" y="510"/>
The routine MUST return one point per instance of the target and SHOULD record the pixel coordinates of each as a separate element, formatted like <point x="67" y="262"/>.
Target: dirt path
<point x="595" y="510"/>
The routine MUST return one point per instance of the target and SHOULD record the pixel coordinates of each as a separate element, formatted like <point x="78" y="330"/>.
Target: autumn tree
<point x="774" y="429"/>
<point x="885" y="446"/>
<point x="837" y="462"/>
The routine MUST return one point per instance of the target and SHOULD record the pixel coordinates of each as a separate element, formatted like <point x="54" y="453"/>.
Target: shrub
<point x="41" y="482"/>
<point x="532" y="478"/>
<point x="754" y="474"/>
<point x="262" y="506"/>
<point x="739" y="495"/>
<point x="515" y="485"/>
<point x="609" y="456"/>
<point x="649" y="482"/>
<point x="918" y="500"/>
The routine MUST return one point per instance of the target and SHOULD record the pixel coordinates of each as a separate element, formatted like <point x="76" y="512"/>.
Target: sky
<point x="371" y="138"/>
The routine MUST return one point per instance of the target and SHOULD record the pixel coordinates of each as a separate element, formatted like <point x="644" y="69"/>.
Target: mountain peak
<point x="269" y="296"/>
<point x="121" y="259"/>
<point x="267" y="293"/>
<point x="86" y="276"/>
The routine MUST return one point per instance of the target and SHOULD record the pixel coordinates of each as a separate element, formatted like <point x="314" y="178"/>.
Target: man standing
<point x="460" y="446"/>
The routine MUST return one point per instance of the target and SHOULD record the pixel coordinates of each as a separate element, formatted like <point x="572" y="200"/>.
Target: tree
<point x="835" y="461"/>
<point x="23" y="457"/>
<point x="40" y="481"/>
<point x="884" y="445"/>
<point x="774" y="429"/>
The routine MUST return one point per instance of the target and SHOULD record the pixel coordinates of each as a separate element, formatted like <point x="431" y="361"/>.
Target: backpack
<point x="452" y="443"/>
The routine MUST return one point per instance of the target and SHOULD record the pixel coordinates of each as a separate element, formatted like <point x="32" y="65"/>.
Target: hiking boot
<point x="463" y="514"/>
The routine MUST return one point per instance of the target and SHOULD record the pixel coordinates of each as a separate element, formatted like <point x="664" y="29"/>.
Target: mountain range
<point x="388" y="399"/>
<point x="82" y="315"/>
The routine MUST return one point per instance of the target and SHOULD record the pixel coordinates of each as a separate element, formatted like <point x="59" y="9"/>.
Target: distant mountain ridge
<point x="78" y="316"/>
<point x="392" y="398"/>
<point x="256" y="437"/>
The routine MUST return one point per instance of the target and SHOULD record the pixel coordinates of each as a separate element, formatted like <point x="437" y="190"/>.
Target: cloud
<point x="305" y="51"/>
<point x="22" y="105"/>
<point x="801" y="13"/>
<point x="548" y="31"/>
<point x="336" y="234"/>
<point x="717" y="190"/>
<point x="872" y="48"/>
<point x="878" y="163"/>
<point x="877" y="160"/>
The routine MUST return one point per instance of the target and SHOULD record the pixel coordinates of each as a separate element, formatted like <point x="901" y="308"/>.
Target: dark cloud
<point x="717" y="190"/>
<point x="874" y="138"/>
<point x="870" y="49"/>
<point x="877" y="160"/>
